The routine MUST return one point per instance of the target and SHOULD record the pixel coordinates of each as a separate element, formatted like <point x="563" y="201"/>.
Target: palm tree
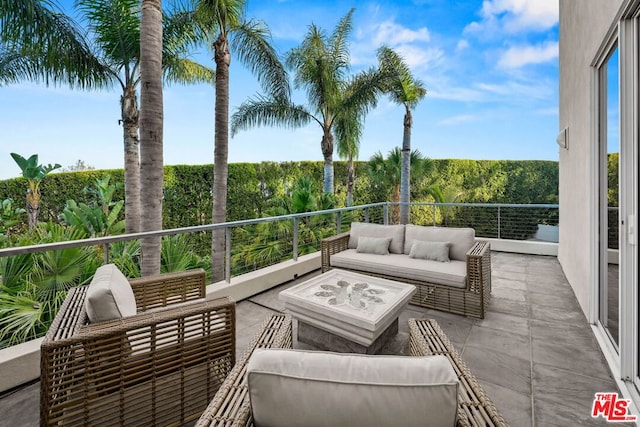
<point x="34" y="174"/>
<point x="449" y="194"/>
<point x="39" y="43"/>
<point x="320" y="65"/>
<point x="115" y="25"/>
<point x="403" y="89"/>
<point x="349" y="131"/>
<point x="386" y="173"/>
<point x="151" y="121"/>
<point x="224" y="22"/>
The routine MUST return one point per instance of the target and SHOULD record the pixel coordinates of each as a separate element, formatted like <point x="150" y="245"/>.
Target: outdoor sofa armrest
<point x="332" y="245"/>
<point x="167" y="288"/>
<point x="230" y="406"/>
<point x="479" y="269"/>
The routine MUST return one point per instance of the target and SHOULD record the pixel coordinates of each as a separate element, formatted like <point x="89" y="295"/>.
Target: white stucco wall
<point x="583" y="27"/>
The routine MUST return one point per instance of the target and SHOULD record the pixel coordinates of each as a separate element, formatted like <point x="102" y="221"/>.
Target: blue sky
<point x="490" y="68"/>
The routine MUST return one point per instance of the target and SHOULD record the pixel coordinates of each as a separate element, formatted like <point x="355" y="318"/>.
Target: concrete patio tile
<point x="565" y="395"/>
<point x="21" y="408"/>
<point x="505" y="322"/>
<point x="509" y="293"/>
<point x="515" y="407"/>
<point x="509" y="343"/>
<point x="562" y="299"/>
<point x="510" y="267"/>
<point x="558" y="315"/>
<point x="503" y="305"/>
<point x="499" y="368"/>
<point x="511" y="275"/>
<point x="499" y="282"/>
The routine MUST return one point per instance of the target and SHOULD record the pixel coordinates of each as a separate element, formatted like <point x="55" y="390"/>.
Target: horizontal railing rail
<point x="252" y="244"/>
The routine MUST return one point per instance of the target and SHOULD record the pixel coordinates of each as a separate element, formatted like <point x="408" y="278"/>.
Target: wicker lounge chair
<point x="231" y="407"/>
<point x="161" y="366"/>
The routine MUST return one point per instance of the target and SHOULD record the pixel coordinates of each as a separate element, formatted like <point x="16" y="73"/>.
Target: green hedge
<point x="188" y="201"/>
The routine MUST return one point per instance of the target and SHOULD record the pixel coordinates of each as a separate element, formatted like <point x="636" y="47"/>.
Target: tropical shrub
<point x="35" y="285"/>
<point x="99" y="218"/>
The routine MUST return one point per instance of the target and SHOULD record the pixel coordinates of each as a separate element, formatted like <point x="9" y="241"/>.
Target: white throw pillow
<point x="294" y="388"/>
<point x="436" y="251"/>
<point x="109" y="295"/>
<point x="374" y="245"/>
<point x="396" y="232"/>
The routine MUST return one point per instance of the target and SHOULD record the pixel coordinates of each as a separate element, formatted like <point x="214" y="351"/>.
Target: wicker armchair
<point x="159" y="367"/>
<point x="231" y="406"/>
<point x="471" y="300"/>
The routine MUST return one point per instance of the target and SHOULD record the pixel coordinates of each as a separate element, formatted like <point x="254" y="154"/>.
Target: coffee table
<point x="347" y="312"/>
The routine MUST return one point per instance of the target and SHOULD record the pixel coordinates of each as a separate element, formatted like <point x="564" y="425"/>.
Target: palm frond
<point x="402" y="86"/>
<point x="262" y="111"/>
<point x="186" y="71"/>
<point x="338" y="42"/>
<point x="52" y="45"/>
<point x="116" y="26"/>
<point x="250" y="41"/>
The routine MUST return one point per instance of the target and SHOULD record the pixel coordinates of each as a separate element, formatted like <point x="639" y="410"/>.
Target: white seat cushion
<point x="453" y="273"/>
<point x="461" y="239"/>
<point x="109" y="296"/>
<point x="305" y="388"/>
<point x="395" y="232"/>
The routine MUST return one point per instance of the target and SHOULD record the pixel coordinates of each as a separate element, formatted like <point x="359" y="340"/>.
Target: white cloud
<point x="519" y="56"/>
<point x="462" y="45"/>
<point x="412" y="44"/>
<point x="461" y="118"/>
<point x="514" y="16"/>
<point x="415" y="56"/>
<point x="393" y="34"/>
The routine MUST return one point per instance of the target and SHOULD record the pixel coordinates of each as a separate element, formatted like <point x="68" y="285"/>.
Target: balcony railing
<point x="257" y="243"/>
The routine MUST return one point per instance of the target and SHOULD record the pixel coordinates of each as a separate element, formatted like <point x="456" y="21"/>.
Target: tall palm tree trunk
<point x="351" y="178"/>
<point x="221" y="151"/>
<point x="327" y="152"/>
<point x="151" y="132"/>
<point x="405" y="172"/>
<point x="130" y="115"/>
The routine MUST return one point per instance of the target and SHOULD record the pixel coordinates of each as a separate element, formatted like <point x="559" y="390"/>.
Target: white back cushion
<point x="461" y="239"/>
<point x="109" y="296"/>
<point x="295" y="388"/>
<point x="395" y="232"/>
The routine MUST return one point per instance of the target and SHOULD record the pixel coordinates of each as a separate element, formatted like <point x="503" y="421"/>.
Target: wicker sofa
<point x="158" y="367"/>
<point x="461" y="285"/>
<point x="231" y="405"/>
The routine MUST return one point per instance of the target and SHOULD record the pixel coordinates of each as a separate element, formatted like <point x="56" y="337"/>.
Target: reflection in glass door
<point x="609" y="242"/>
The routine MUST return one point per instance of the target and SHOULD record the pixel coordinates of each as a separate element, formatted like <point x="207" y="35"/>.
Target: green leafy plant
<point x="34" y="174"/>
<point x="9" y="215"/>
<point x="35" y="285"/>
<point x="100" y="218"/>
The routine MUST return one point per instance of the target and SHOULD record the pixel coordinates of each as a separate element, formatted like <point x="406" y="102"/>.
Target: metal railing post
<point x="105" y="255"/>
<point x="366" y="214"/>
<point x="339" y="222"/>
<point x="227" y="265"/>
<point x="296" y="225"/>
<point x="434" y="215"/>
<point x="385" y="214"/>
<point x="499" y="222"/>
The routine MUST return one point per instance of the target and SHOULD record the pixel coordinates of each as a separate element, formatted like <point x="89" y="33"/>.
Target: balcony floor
<point x="534" y="353"/>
